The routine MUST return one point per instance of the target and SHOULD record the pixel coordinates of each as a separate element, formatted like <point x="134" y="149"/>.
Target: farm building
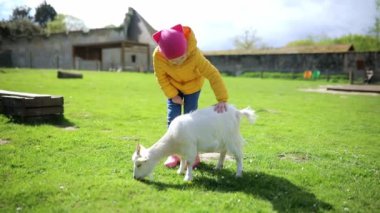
<point x="332" y="59"/>
<point x="128" y="47"/>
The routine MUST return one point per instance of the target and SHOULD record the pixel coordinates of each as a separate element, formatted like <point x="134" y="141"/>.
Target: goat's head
<point x="142" y="166"/>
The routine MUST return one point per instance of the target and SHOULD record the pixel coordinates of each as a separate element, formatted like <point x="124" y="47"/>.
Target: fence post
<point x="351" y="76"/>
<point x="57" y="61"/>
<point x="327" y="75"/>
<point x="30" y="59"/>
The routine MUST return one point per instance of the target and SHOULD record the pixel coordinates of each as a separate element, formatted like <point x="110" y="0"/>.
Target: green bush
<point x="293" y="75"/>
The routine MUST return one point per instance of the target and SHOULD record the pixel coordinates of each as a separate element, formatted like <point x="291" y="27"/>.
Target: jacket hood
<point x="191" y="40"/>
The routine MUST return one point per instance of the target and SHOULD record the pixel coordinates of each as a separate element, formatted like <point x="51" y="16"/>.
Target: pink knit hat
<point x="172" y="42"/>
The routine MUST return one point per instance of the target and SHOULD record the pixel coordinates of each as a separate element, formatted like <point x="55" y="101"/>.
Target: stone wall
<point x="332" y="63"/>
<point x="56" y="50"/>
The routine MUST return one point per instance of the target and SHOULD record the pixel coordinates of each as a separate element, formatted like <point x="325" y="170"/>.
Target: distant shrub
<point x="293" y="75"/>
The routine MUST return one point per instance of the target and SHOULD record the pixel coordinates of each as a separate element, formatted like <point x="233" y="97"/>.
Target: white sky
<point x="217" y="22"/>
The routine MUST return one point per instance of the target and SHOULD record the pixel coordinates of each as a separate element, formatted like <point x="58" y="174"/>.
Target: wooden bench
<point x="28" y="105"/>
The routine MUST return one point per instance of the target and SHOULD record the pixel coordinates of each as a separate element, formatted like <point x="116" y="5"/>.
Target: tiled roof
<point x="339" y="48"/>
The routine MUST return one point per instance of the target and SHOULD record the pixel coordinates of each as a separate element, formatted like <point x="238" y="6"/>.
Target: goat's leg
<point x="222" y="156"/>
<point x="189" y="175"/>
<point x="236" y="150"/>
<point x="190" y="159"/>
<point x="239" y="166"/>
<point x="239" y="162"/>
<point x="182" y="167"/>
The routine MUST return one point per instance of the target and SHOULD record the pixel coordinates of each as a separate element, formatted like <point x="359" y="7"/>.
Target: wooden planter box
<point x="26" y="105"/>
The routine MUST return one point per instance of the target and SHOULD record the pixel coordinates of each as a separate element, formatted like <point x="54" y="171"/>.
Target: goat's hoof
<point x="180" y="172"/>
<point x="239" y="175"/>
<point x="218" y="168"/>
<point x="188" y="178"/>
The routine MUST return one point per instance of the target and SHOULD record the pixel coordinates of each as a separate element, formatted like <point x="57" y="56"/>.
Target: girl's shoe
<point x="172" y="161"/>
<point x="197" y="161"/>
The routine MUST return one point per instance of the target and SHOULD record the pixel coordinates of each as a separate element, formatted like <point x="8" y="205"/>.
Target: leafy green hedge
<point x="295" y="76"/>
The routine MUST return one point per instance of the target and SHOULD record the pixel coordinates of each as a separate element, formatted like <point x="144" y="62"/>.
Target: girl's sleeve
<point x="210" y="72"/>
<point x="169" y="90"/>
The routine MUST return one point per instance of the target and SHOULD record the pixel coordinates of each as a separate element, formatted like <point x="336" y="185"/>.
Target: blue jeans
<point x="190" y="104"/>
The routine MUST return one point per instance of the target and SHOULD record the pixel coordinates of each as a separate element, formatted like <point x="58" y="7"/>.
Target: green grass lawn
<point x="308" y="152"/>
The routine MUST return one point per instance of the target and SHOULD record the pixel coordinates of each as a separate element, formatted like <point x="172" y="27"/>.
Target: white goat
<point x="200" y="131"/>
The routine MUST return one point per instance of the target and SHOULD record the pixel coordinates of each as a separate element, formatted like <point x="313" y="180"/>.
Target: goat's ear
<point x="134" y="157"/>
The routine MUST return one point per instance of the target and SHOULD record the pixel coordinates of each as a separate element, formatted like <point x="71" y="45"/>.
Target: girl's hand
<point x="220" y="107"/>
<point x="177" y="100"/>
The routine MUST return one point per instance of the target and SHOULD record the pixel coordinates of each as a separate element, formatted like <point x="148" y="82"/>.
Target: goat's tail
<point x="249" y="114"/>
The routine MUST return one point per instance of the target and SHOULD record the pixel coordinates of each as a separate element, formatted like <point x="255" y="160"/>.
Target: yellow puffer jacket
<point x="189" y="76"/>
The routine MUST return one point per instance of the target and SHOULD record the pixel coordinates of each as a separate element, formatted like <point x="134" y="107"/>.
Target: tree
<point x="18" y="28"/>
<point x="4" y="30"/>
<point x="58" y="25"/>
<point x="74" y="24"/>
<point x="19" y="24"/>
<point x="247" y="41"/>
<point x="376" y="28"/>
<point x="304" y="42"/>
<point x="360" y="42"/>
<point x="21" y="13"/>
<point x="44" y="13"/>
<point x="65" y="23"/>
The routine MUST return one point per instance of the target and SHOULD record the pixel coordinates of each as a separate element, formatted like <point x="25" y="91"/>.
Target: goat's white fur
<point x="197" y="132"/>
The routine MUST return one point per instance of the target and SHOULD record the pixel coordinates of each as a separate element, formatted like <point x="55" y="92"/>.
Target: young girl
<point x="180" y="69"/>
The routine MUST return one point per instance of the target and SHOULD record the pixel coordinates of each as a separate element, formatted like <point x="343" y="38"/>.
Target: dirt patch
<point x="213" y="157"/>
<point x="3" y="141"/>
<point x="323" y="89"/>
<point x="131" y="138"/>
<point x="295" y="156"/>
<point x="71" y="128"/>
